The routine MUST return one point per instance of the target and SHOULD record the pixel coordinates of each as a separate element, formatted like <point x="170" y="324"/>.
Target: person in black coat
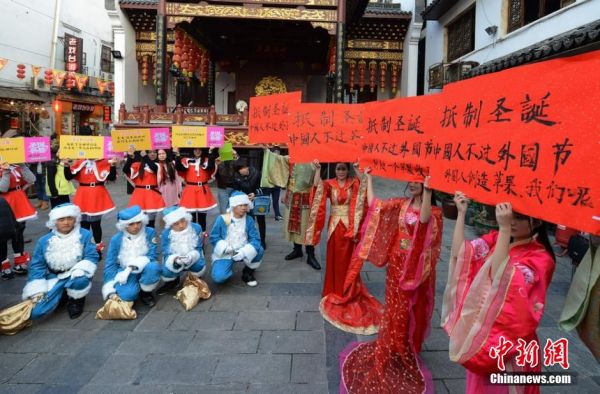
<point x="247" y="179"/>
<point x="8" y="230"/>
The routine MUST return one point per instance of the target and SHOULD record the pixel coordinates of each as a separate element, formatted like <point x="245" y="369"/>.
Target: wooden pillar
<point x="161" y="56"/>
<point x="339" y="54"/>
<point x="122" y="113"/>
<point x="211" y="83"/>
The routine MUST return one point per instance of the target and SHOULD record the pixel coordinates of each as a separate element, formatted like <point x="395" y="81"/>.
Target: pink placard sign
<point x="215" y="136"/>
<point x="37" y="149"/>
<point x="108" y="150"/>
<point x="161" y="138"/>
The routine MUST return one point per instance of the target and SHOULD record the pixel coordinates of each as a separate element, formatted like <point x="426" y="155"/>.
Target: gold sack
<point x="16" y="318"/>
<point x="116" y="309"/>
<point x="193" y="290"/>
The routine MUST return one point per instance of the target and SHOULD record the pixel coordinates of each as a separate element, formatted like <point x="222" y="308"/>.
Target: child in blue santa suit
<point x="131" y="268"/>
<point x="235" y="239"/>
<point x="181" y="244"/>
<point x="63" y="260"/>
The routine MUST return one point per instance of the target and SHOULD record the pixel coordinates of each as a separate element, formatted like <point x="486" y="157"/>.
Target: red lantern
<point x="372" y="74"/>
<point x="362" y="67"/>
<point x="382" y="70"/>
<point x="20" y="71"/>
<point x="204" y="69"/>
<point x="351" y="72"/>
<point x="48" y="77"/>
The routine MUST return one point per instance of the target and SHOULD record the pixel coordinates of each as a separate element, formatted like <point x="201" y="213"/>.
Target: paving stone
<point x="164" y="342"/>
<point x="295" y="303"/>
<point x="265" y="320"/>
<point x="156" y="321"/>
<point x="124" y="325"/>
<point x="442" y="367"/>
<point x="89" y="322"/>
<point x="190" y="321"/>
<point x="295" y="388"/>
<point x="224" y="342"/>
<point x="235" y="303"/>
<point x="309" y="321"/>
<point x="306" y="368"/>
<point x="292" y="342"/>
<point x="232" y="388"/>
<point x="52" y="341"/>
<point x="41" y="369"/>
<point x="22" y="388"/>
<point x="309" y="276"/>
<point x="77" y="370"/>
<point x="174" y="369"/>
<point x="125" y="389"/>
<point x="437" y="340"/>
<point x="440" y="387"/>
<point x="11" y="363"/>
<point x="253" y="368"/>
<point x="118" y="369"/>
<point x="455" y="386"/>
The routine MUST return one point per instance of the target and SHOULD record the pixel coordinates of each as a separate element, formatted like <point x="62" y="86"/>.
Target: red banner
<point x="268" y="117"/>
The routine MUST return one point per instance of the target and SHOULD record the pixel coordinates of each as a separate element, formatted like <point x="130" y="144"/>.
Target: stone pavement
<point x="268" y="339"/>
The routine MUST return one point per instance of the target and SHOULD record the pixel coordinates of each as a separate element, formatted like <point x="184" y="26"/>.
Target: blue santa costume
<point x="61" y="262"/>
<point x="182" y="250"/>
<point x="235" y="240"/>
<point x="131" y="268"/>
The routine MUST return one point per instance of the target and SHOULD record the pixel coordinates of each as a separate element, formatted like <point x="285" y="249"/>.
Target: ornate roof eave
<point x="582" y="37"/>
<point x="386" y="11"/>
<point x="437" y="8"/>
<point x="138" y="4"/>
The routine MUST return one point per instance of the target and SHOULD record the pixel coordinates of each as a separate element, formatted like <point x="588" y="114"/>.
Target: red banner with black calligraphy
<point x="268" y="120"/>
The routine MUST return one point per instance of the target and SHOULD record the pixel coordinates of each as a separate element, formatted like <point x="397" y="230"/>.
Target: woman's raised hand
<point x="504" y="214"/>
<point x="316" y="164"/>
<point x="461" y="201"/>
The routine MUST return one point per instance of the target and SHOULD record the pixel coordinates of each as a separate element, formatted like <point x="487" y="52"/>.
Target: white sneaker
<point x="252" y="283"/>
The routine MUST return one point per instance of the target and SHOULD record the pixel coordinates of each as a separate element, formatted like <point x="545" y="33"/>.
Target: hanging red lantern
<point x="351" y="72"/>
<point x="70" y="80"/>
<point x="178" y="48"/>
<point x="204" y="69"/>
<point x="372" y="74"/>
<point x="362" y="68"/>
<point x="395" y="71"/>
<point x="48" y="77"/>
<point x="382" y="70"/>
<point x="20" y="71"/>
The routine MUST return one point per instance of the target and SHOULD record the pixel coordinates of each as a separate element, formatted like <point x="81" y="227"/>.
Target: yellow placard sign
<point x="124" y="139"/>
<point x="12" y="150"/>
<point x="188" y="136"/>
<point x="81" y="147"/>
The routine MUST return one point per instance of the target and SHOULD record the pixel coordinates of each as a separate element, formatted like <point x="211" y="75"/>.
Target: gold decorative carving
<point x="237" y="138"/>
<point x="330" y="27"/>
<point x="173" y="20"/>
<point x="150" y="47"/>
<point x="151" y="36"/>
<point x="270" y="85"/>
<point x="373" y="55"/>
<point x="179" y="12"/>
<point x="326" y="3"/>
<point x="375" y="44"/>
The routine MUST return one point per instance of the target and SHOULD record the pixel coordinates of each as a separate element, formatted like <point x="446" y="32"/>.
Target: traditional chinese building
<point x="218" y="53"/>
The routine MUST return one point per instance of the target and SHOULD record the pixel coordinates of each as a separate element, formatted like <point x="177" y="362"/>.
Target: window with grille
<point x="523" y="12"/>
<point x="105" y="60"/>
<point x="461" y="35"/>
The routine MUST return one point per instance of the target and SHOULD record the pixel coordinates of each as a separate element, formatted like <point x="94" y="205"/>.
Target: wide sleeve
<point x="316" y="221"/>
<point x="36" y="281"/>
<point x="379" y="230"/>
<point x="424" y="251"/>
<point x="275" y="170"/>
<point x="358" y="206"/>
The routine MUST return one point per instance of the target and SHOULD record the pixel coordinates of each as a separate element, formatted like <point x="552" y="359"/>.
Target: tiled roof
<point x="386" y="9"/>
<point x="572" y="39"/>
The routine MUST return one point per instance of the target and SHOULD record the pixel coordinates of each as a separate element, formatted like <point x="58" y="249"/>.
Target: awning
<point x="19" y="94"/>
<point x="81" y="99"/>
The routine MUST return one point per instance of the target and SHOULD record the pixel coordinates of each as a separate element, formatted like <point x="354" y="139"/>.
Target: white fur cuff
<point x="194" y="256"/>
<point x="219" y="248"/>
<point x="148" y="288"/>
<point x="139" y="263"/>
<point x="249" y="253"/>
<point x="87" y="266"/>
<point x="34" y="287"/>
<point x="77" y="294"/>
<point x="169" y="264"/>
<point x="254" y="265"/>
<point x="109" y="288"/>
<point x="200" y="273"/>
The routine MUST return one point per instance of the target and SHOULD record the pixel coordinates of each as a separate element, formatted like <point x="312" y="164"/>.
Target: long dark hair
<point x="170" y="173"/>
<point x="542" y="235"/>
<point x="433" y="199"/>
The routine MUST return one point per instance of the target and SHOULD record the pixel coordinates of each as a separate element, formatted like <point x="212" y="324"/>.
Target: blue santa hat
<point x="63" y="211"/>
<point x="130" y="215"/>
<point x="239" y="198"/>
<point x="174" y="214"/>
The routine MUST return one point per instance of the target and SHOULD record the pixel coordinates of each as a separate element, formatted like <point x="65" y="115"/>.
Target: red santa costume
<point x="15" y="195"/>
<point x="196" y="196"/>
<point x="146" y="193"/>
<point x="91" y="196"/>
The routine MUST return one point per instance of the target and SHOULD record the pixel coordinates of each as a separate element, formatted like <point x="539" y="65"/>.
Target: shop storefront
<point x="21" y="111"/>
<point x="76" y="113"/>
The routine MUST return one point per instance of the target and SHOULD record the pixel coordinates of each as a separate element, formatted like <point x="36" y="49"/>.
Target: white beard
<point x="133" y="246"/>
<point x="64" y="251"/>
<point x="183" y="242"/>
<point x="236" y="233"/>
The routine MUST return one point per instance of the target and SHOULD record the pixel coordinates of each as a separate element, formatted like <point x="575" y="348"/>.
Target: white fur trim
<point x="194" y="256"/>
<point x="240" y="199"/>
<point x="141" y="217"/>
<point x="169" y="264"/>
<point x="165" y="279"/>
<point x="219" y="248"/>
<point x="71" y="210"/>
<point x="77" y="294"/>
<point x="254" y="265"/>
<point x="87" y="266"/>
<point x="34" y="287"/>
<point x="177" y="215"/>
<point x="98" y="213"/>
<point x="109" y="288"/>
<point x="249" y="253"/>
<point x="200" y="273"/>
<point x="149" y="287"/>
<point x="139" y="263"/>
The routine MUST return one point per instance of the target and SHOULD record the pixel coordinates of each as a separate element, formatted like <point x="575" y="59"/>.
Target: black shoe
<point x="75" y="307"/>
<point x="147" y="298"/>
<point x="248" y="277"/>
<point x="312" y="261"/>
<point x="7" y="274"/>
<point x="168" y="286"/>
<point x="296" y="253"/>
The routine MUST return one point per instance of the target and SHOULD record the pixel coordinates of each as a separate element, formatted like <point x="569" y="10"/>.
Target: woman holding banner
<point x="146" y="175"/>
<point x="91" y="196"/>
<point x="406" y="234"/>
<point x="347" y="197"/>
<point x="495" y="295"/>
<point x="197" y="171"/>
<point x="13" y="180"/>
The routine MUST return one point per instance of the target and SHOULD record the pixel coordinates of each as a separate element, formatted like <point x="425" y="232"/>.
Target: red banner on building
<point x="268" y="117"/>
